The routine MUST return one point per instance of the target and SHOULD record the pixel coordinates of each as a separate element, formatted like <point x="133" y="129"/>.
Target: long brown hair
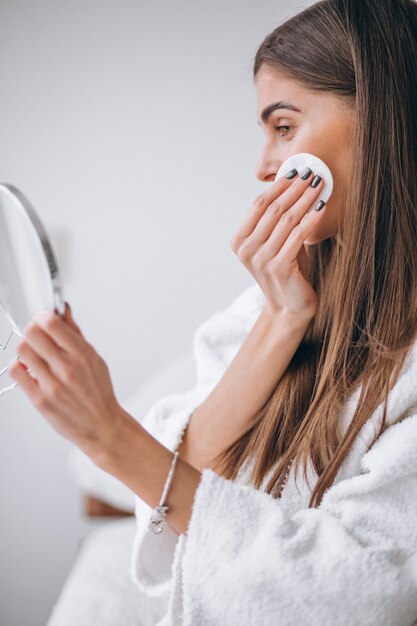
<point x="365" y="52"/>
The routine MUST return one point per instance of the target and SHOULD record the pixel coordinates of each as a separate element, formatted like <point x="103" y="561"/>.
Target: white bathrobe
<point x="249" y="559"/>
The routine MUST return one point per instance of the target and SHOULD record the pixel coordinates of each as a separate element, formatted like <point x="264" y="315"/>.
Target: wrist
<point x="113" y="444"/>
<point x="283" y="317"/>
<point x="142" y="463"/>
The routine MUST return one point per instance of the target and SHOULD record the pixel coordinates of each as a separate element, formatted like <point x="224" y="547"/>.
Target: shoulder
<point x="394" y="453"/>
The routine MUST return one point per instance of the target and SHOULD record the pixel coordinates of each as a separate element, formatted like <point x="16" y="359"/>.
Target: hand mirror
<point x="29" y="279"/>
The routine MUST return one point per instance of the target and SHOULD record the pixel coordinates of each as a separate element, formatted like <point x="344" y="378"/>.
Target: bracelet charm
<point x="158" y="518"/>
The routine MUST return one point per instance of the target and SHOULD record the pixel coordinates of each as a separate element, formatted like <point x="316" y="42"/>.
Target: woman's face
<point x="324" y="127"/>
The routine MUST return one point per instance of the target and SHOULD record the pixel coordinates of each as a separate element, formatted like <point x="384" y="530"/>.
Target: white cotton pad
<point x="304" y="159"/>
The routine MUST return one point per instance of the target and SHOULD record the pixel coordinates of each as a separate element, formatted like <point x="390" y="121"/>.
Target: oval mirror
<point x="29" y="278"/>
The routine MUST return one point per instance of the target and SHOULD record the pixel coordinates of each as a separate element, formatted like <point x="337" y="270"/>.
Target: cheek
<point x="339" y="156"/>
<point x="330" y="142"/>
<point x="333" y="143"/>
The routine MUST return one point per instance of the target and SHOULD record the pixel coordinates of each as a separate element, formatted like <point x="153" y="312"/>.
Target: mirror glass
<point x="28" y="269"/>
<point x="29" y="279"/>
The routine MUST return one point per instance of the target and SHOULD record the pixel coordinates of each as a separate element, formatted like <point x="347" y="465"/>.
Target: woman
<point x="320" y="375"/>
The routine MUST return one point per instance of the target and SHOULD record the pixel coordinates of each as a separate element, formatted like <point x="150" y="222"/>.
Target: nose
<point x="267" y="167"/>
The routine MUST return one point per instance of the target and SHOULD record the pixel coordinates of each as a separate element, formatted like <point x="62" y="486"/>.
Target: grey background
<point x="131" y="127"/>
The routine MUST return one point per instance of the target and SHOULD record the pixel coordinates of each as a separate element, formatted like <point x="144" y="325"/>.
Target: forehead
<point x="273" y="86"/>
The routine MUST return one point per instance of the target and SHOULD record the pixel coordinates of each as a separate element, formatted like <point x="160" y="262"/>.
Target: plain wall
<point x="131" y="127"/>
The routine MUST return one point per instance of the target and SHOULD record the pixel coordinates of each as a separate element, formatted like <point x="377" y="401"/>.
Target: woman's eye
<point x="287" y="128"/>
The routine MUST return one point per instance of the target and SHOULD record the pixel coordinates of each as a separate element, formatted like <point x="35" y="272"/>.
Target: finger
<point x="60" y="331"/>
<point x="288" y="202"/>
<point x="18" y="372"/>
<point x="70" y="320"/>
<point x="287" y="221"/>
<point x="260" y="205"/>
<point x="291" y="248"/>
<point x="43" y="345"/>
<point x="37" y="365"/>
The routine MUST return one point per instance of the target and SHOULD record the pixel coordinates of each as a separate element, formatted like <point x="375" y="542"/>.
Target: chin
<point x="311" y="240"/>
<point x="318" y="235"/>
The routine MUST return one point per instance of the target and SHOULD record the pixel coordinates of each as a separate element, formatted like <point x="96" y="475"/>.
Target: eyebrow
<point x="277" y="105"/>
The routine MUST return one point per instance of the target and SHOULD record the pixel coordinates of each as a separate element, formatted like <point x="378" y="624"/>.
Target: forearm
<point x="142" y="463"/>
<point x="245" y="387"/>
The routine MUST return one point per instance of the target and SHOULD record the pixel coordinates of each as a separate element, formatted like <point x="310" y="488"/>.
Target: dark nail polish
<point x="292" y="174"/>
<point x="315" y="181"/>
<point x="306" y="173"/>
<point x="319" y="205"/>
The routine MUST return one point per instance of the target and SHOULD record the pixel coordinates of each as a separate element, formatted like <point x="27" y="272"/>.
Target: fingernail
<point x="315" y="181"/>
<point x="319" y="205"/>
<point x="292" y="173"/>
<point x="69" y="308"/>
<point x="306" y="173"/>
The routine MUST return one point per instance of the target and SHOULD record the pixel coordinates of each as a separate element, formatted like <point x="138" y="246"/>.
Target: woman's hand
<point x="69" y="383"/>
<point x="270" y="244"/>
<point x="73" y="390"/>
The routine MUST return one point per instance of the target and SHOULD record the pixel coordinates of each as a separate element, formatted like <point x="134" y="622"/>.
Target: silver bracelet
<point x="159" y="513"/>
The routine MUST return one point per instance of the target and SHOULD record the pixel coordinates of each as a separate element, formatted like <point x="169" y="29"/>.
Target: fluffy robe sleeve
<point x="350" y="562"/>
<point x="249" y="559"/>
<point x="215" y="343"/>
